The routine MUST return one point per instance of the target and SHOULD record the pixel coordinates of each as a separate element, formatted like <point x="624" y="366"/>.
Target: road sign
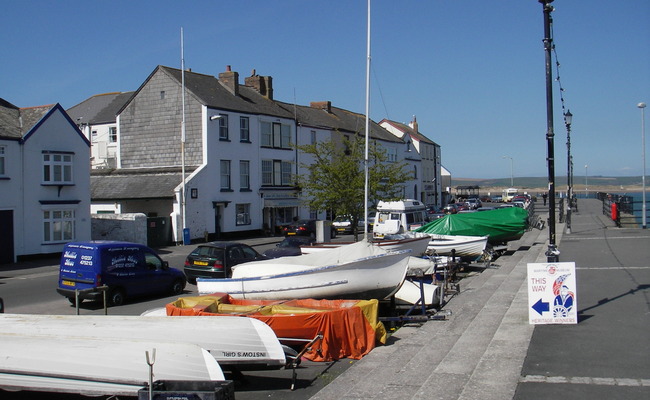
<point x="552" y="293"/>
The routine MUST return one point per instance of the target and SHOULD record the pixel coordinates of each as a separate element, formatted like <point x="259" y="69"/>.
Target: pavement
<point x="488" y="350"/>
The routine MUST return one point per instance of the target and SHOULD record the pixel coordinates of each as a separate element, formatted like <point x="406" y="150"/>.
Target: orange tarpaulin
<point x="350" y="328"/>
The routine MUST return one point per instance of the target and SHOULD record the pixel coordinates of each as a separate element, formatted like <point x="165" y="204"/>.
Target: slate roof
<point x="16" y="122"/>
<point x="339" y="119"/>
<point x="135" y="184"/>
<point x="99" y="109"/>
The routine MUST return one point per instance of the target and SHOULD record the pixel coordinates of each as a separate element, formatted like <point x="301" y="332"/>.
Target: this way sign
<point x="552" y="296"/>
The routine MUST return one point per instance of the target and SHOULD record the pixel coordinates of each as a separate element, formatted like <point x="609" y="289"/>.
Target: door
<point x="6" y="236"/>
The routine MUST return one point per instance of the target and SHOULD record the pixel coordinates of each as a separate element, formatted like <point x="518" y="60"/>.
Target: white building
<point x="44" y="181"/>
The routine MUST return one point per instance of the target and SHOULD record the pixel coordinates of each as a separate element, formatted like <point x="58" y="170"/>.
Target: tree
<point x="335" y="177"/>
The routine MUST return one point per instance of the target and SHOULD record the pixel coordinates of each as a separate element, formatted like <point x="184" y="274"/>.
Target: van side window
<point x="152" y="261"/>
<point x="395" y="216"/>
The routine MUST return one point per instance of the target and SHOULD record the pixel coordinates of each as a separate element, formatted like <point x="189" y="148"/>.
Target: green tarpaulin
<point x="501" y="224"/>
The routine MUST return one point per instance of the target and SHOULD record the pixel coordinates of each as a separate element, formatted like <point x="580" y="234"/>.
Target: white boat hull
<point x="98" y="366"/>
<point x="462" y="246"/>
<point x="356" y="271"/>
<point x="232" y="341"/>
<point x="410" y="293"/>
<point x="417" y="244"/>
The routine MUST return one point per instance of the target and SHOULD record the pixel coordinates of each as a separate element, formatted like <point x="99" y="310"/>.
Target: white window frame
<point x="58" y="168"/>
<point x="244" y="129"/>
<point x="275" y="135"/>
<point x="276" y="173"/>
<point x="3" y="160"/>
<point x="244" y="175"/>
<point x="59" y="225"/>
<point x="223" y="127"/>
<point x="225" y="175"/>
<point x="112" y="134"/>
<point x="243" y="214"/>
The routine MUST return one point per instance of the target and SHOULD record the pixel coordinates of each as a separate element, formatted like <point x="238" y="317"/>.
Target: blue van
<point x="127" y="269"/>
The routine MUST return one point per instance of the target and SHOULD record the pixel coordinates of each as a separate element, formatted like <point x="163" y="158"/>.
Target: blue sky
<point x="471" y="71"/>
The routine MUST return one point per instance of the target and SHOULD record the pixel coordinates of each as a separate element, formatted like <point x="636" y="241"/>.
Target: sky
<point x="472" y="72"/>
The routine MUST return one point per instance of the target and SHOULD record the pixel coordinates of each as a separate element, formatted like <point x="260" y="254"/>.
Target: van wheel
<point x="116" y="297"/>
<point x="178" y="286"/>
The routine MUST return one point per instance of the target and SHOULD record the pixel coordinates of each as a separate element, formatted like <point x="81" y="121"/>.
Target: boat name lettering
<point x="244" y="354"/>
<point x="70" y="254"/>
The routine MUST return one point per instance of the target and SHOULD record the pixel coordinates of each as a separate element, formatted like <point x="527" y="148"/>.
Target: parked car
<point x="434" y="212"/>
<point x="216" y="259"/>
<point x="343" y="225"/>
<point x="305" y="227"/>
<point x="290" y="246"/>
<point x="126" y="269"/>
<point x="451" y="208"/>
<point x="473" y="203"/>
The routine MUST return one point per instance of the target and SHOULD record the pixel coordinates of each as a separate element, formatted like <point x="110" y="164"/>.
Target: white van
<point x="508" y="194"/>
<point x="400" y="216"/>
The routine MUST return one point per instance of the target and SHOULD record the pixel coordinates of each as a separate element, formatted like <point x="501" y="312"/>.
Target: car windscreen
<point x="208" y="252"/>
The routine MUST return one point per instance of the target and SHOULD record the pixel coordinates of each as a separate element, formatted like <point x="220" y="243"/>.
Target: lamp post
<point x="643" y="209"/>
<point x="552" y="253"/>
<point x="512" y="176"/>
<point x="568" y="117"/>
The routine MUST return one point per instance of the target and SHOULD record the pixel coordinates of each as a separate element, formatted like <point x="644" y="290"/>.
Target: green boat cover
<point x="500" y="225"/>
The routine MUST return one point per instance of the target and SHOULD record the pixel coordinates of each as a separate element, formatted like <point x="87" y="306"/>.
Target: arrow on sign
<point x="541" y="306"/>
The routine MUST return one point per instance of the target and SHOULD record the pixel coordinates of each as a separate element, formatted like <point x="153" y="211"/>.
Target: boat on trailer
<point x="358" y="271"/>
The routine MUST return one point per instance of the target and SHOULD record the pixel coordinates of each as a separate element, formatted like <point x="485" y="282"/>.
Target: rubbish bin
<point x="190" y="390"/>
<point x="186" y="236"/>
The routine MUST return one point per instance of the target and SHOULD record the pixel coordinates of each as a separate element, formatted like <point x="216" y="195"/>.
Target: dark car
<point x="451" y="208"/>
<point x="216" y="259"/>
<point x="305" y="227"/>
<point x="290" y="246"/>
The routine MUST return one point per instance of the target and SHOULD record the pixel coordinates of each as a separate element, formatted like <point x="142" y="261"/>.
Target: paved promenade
<point x="487" y="349"/>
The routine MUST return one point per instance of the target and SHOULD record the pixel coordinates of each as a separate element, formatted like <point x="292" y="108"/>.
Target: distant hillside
<point x="541" y="182"/>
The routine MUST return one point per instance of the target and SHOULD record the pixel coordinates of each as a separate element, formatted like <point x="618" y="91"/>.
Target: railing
<point x="615" y="206"/>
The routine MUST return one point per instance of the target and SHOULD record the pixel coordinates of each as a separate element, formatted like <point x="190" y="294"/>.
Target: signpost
<point x="552" y="293"/>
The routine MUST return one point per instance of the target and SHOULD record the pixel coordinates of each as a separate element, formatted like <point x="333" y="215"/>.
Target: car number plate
<point x="291" y="233"/>
<point x="67" y="283"/>
<point x="200" y="263"/>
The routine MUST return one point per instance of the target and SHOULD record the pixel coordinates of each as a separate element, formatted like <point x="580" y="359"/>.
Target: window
<point x="276" y="173"/>
<point x="276" y="135"/>
<point x="162" y="95"/>
<point x="415" y="172"/>
<point x="223" y="127"/>
<point x="243" y="214"/>
<point x="112" y="134"/>
<point x="313" y="137"/>
<point x="57" y="168"/>
<point x="244" y="131"/>
<point x="392" y="154"/>
<point x="58" y="226"/>
<point x="2" y="160"/>
<point x="225" y="174"/>
<point x="244" y="175"/>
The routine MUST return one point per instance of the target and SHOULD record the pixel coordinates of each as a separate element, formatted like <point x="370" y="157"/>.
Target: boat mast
<point x="365" y="162"/>
<point x="183" y="223"/>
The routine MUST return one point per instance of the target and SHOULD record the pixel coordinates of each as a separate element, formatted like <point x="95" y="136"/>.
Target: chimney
<point x="230" y="80"/>
<point x="323" y="105"/>
<point x="414" y="124"/>
<point x="262" y="84"/>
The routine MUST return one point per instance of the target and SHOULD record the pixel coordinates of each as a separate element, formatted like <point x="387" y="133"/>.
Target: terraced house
<point x="44" y="181"/>
<point x="238" y="153"/>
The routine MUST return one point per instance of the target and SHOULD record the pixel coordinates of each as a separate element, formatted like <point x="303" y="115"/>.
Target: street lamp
<point x="643" y="209"/>
<point x="568" y="117"/>
<point x="552" y="254"/>
<point x="511" y="171"/>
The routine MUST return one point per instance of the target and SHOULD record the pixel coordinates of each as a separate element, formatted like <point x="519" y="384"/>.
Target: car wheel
<point x="333" y="234"/>
<point x="178" y="286"/>
<point x="116" y="297"/>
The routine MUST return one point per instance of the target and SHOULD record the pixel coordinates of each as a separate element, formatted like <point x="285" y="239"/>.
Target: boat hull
<point x="465" y="247"/>
<point x="377" y="274"/>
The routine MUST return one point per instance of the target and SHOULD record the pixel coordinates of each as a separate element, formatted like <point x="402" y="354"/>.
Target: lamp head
<point x="568" y="117"/>
<point x="641" y="105"/>
<point x="215" y="117"/>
